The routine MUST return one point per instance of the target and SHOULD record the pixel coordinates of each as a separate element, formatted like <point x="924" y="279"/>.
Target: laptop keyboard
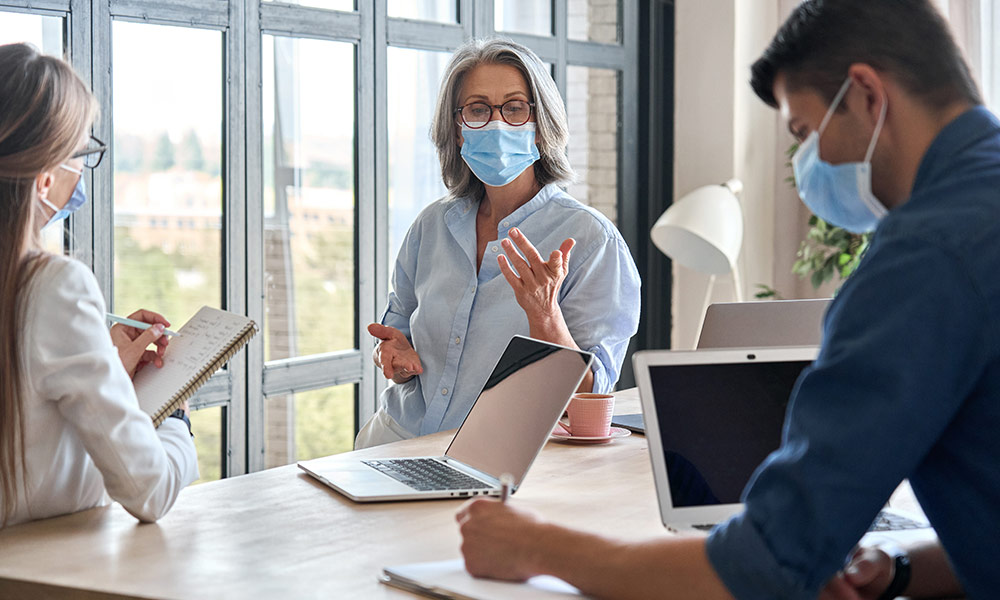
<point x="883" y="522"/>
<point x="890" y="522"/>
<point x="425" y="474"/>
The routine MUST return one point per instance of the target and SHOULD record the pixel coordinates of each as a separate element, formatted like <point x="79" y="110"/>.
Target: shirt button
<point x="444" y="391"/>
<point x="506" y="223"/>
<point x="458" y="340"/>
<point x="494" y="249"/>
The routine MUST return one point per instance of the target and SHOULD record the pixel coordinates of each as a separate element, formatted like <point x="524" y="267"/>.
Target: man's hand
<point x="497" y="540"/>
<point x="866" y="577"/>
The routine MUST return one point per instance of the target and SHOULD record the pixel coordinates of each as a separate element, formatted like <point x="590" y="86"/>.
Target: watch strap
<point x="900" y="576"/>
<point x="180" y="414"/>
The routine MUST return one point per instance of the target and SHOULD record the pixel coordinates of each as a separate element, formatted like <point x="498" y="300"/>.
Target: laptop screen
<point x="717" y="423"/>
<point x="520" y="403"/>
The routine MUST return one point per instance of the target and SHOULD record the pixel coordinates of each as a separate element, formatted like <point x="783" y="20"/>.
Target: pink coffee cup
<point x="590" y="415"/>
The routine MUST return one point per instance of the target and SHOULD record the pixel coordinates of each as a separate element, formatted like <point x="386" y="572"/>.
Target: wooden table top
<point x="281" y="534"/>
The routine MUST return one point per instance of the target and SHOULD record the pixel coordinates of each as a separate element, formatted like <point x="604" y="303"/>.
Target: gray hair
<point x="551" y="128"/>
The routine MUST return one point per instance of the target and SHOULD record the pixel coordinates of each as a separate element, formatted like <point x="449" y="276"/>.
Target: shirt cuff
<point x="748" y="568"/>
<point x="602" y="378"/>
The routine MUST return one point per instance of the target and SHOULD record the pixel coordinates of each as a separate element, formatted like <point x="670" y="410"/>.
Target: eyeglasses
<point x="476" y="115"/>
<point x="93" y="153"/>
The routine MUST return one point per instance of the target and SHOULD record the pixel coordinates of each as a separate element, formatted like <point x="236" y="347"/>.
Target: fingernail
<point x="515" y="232"/>
<point x="158" y="328"/>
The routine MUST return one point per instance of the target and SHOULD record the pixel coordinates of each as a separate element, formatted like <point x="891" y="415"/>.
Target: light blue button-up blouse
<point x="459" y="321"/>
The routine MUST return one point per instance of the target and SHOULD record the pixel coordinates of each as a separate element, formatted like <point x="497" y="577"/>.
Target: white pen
<point x="136" y="324"/>
<point x="506" y="482"/>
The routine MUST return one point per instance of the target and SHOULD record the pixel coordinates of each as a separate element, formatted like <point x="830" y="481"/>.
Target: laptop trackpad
<point x="354" y="477"/>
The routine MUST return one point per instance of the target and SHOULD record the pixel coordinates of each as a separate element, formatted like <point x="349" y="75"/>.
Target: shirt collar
<point x="965" y="130"/>
<point x="531" y="206"/>
<point x="466" y="205"/>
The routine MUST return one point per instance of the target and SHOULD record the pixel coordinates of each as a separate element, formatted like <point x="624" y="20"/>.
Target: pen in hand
<point x="136" y="324"/>
<point x="506" y="482"/>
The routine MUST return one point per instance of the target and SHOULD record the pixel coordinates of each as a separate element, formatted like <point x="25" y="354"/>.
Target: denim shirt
<point x="459" y="321"/>
<point x="907" y="384"/>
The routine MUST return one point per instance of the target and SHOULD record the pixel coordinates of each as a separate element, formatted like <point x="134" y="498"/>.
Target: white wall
<point x="722" y="130"/>
<point x="703" y="129"/>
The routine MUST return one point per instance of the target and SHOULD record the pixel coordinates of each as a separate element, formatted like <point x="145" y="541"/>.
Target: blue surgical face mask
<point x="499" y="152"/>
<point x="840" y="194"/>
<point x="72" y="205"/>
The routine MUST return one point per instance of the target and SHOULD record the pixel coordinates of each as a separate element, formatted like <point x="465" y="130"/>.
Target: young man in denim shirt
<point x="907" y="384"/>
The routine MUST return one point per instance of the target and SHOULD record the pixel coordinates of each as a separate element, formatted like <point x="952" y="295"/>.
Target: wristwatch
<point x="900" y="573"/>
<point x="180" y="414"/>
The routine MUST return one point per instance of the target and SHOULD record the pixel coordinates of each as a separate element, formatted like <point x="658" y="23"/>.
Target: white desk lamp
<point x="703" y="231"/>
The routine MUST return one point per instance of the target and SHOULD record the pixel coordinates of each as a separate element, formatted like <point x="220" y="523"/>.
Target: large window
<point x="46" y="34"/>
<point x="976" y="27"/>
<point x="990" y="35"/>
<point x="414" y="77"/>
<point x="168" y="251"/>
<point x="268" y="157"/>
<point x="310" y="269"/>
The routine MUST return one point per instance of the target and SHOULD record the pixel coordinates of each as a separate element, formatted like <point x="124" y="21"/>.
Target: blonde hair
<point x="551" y="128"/>
<point x="45" y="110"/>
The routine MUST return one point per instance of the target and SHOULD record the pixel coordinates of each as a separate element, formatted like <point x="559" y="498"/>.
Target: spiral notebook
<point x="206" y="342"/>
<point x="449" y="580"/>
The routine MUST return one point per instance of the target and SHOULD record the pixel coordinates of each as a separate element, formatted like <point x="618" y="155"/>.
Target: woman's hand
<point x="497" y="540"/>
<point x="537" y="282"/>
<point x="133" y="343"/>
<point x="394" y="354"/>
<point x="536" y="289"/>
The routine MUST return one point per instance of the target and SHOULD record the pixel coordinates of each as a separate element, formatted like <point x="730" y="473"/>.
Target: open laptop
<point x="767" y="323"/>
<point x="770" y="323"/>
<point x="506" y="429"/>
<point x="712" y="417"/>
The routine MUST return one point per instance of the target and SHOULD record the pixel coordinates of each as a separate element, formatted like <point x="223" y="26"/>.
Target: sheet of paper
<point x="449" y="577"/>
<point x="204" y="336"/>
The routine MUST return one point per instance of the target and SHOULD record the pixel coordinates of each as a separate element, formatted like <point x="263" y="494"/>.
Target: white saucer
<point x="616" y="432"/>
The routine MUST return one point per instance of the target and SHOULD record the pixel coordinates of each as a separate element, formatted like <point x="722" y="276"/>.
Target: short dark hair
<point x="908" y="39"/>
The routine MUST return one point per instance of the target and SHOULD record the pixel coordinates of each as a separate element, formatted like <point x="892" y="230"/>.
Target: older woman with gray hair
<point x="472" y="271"/>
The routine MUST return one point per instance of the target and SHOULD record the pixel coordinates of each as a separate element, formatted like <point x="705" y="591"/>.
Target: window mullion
<point x="236" y="249"/>
<point x="253" y="403"/>
<point x="190" y="13"/>
<point x="79" y="36"/>
<point x="93" y="234"/>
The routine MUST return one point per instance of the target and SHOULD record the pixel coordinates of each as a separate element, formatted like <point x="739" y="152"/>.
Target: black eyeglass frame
<point x="492" y="107"/>
<point x="87" y="153"/>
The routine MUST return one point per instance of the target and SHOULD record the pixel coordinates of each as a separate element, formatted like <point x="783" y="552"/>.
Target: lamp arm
<point x="737" y="282"/>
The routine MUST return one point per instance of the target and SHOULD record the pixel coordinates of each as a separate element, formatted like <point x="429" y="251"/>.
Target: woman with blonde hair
<point x="71" y="430"/>
<point x="472" y="270"/>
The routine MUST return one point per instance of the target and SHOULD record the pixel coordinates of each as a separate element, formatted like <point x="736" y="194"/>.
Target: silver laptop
<point x="765" y="323"/>
<point x="506" y="429"/>
<point x="774" y="323"/>
<point x="712" y="417"/>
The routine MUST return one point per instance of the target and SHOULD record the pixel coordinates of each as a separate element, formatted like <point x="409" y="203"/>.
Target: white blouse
<point x="84" y="431"/>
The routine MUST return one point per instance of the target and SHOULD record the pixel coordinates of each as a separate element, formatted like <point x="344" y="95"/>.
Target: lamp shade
<point x="704" y="229"/>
